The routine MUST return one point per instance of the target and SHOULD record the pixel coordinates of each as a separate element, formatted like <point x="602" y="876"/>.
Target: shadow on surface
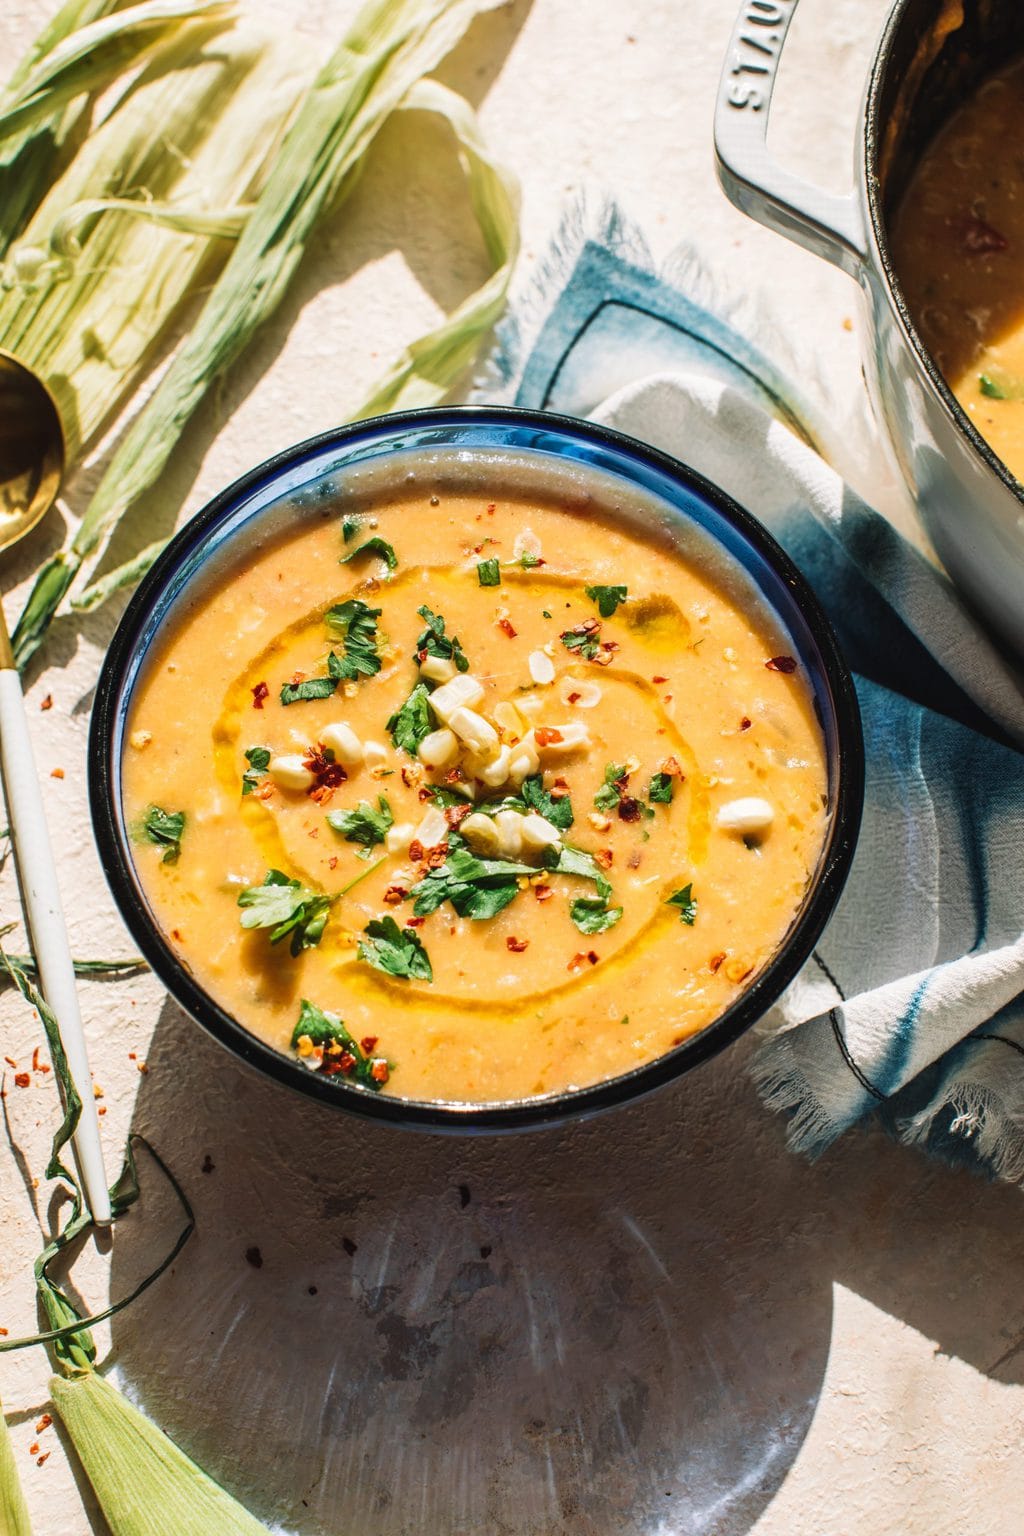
<point x="619" y="1327"/>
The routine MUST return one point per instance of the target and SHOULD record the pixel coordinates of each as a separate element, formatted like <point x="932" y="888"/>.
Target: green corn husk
<point x="14" y="1519"/>
<point x="389" y="47"/>
<point x="146" y="1485"/>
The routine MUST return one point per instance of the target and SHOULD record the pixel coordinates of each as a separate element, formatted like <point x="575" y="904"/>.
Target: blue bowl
<point x="310" y="473"/>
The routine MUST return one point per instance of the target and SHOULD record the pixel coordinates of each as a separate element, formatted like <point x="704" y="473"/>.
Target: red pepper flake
<point x="505" y="625"/>
<point x="516" y="945"/>
<point x="745" y="723"/>
<point x="176" y="933"/>
<point x="716" y="961"/>
<point x="630" y="809"/>
<point x="132" y="1056"/>
<point x="671" y="766"/>
<point x="347" y="1062"/>
<point x="491" y="507"/>
<point x="368" y="1044"/>
<point x="47" y="703"/>
<point x="4" y="1332"/>
<point x="577" y="960"/>
<point x="259" y="693"/>
<point x="592" y="956"/>
<point x="56" y="773"/>
<point x="10" y="1061"/>
<point x="265" y="790"/>
<point x="44" y="1423"/>
<point x="379" y="1071"/>
<point x="297" y="678"/>
<point x="394" y="895"/>
<point x="659" y="679"/>
<point x="415" y="922"/>
<point x="575" y="697"/>
<point x="37" y="1065"/>
<point x="44" y="1457"/>
<point x="454" y="776"/>
<point x="417" y="852"/>
<point x="426" y="792"/>
<point x="33" y="1449"/>
<point x="21" y="1079"/>
<point x="143" y="1068"/>
<point x="411" y="776"/>
<point x="455" y="814"/>
<point x="332" y="862"/>
<point x="547" y="735"/>
<point x="328" y="774"/>
<point x="604" y="857"/>
<point x="543" y="892"/>
<point x="102" y="1109"/>
<point x="437" y="855"/>
<point x="634" y="859"/>
<point x="978" y="238"/>
<point x="781" y="664"/>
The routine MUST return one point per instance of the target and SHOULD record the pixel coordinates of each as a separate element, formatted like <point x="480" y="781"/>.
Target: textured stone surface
<point x="658" y="1322"/>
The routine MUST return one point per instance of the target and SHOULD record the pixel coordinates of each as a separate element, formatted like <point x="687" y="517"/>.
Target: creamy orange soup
<point x="958" y="248"/>
<point x="534" y="805"/>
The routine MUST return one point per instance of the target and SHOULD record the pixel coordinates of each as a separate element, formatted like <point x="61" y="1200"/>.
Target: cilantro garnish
<point x="476" y="888"/>
<point x="489" y="573"/>
<point x="349" y="530"/>
<point x="445" y="797"/>
<point x="410" y="724"/>
<point x="606" y="598"/>
<point x="661" y="789"/>
<point x="541" y="800"/>
<point x="434" y="642"/>
<point x="258" y="759"/>
<point x="363" y="825"/>
<point x="686" y="902"/>
<point x="991" y="387"/>
<point x="396" y="951"/>
<point x="342" y="1056"/>
<point x="287" y="907"/>
<point x="585" y="640"/>
<point x="592" y="914"/>
<point x="544" y="613"/>
<point x="529" y="562"/>
<point x="355" y="623"/>
<point x="374" y="546"/>
<point x="613" y="788"/>
<point x="164" y="828"/>
<point x="568" y="860"/>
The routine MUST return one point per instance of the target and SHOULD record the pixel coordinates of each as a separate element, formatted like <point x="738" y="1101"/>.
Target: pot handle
<point x="823" y="222"/>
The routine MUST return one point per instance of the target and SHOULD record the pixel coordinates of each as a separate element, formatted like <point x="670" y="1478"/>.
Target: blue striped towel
<point x="912" y="1008"/>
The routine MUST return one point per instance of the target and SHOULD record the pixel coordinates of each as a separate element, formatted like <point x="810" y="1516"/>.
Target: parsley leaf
<point x="991" y="387"/>
<point x="164" y="828"/>
<point x="363" y="825"/>
<point x="445" y="797"/>
<point x="396" y="951"/>
<point x="530" y="562"/>
<point x="539" y="799"/>
<point x="355" y="623"/>
<point x="488" y="573"/>
<point x="476" y="888"/>
<point x="287" y="907"/>
<point x="568" y="860"/>
<point x="611" y="791"/>
<point x="341" y="1055"/>
<point x="258" y="759"/>
<point x="585" y="641"/>
<point x="349" y="529"/>
<point x="312" y="688"/>
<point x="606" y="598"/>
<point x="661" y="789"/>
<point x="592" y="914"/>
<point x="686" y="902"/>
<point x="434" y="642"/>
<point x="410" y="724"/>
<point x="374" y="546"/>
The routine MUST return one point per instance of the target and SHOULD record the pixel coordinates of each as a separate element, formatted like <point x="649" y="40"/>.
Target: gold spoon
<point x="31" y="469"/>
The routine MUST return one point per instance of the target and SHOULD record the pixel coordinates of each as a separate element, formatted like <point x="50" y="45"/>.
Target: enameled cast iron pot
<point x="931" y="55"/>
<point x="293" y="486"/>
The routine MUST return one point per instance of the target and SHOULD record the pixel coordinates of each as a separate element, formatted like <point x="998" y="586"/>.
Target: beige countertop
<point x="655" y="1324"/>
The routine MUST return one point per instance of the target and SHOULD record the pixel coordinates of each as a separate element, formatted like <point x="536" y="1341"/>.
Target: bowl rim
<point x="506" y="1114"/>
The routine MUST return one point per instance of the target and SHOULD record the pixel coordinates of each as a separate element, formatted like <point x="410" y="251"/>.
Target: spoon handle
<point x="37" y="875"/>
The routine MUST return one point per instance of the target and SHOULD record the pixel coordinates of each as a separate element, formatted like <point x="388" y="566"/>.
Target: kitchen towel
<point x="912" y="1007"/>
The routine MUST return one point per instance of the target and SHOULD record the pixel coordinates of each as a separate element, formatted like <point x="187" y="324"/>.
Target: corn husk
<point x="14" y="1519"/>
<point x="390" y="46"/>
<point x="145" y="1484"/>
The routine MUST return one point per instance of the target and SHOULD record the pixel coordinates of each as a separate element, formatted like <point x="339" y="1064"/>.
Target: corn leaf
<point x="146" y="1484"/>
<point x="391" y="44"/>
<point x="14" y="1519"/>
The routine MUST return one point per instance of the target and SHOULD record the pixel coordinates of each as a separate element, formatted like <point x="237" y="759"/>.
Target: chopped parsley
<point x="606" y="598"/>
<point x="529" y="562"/>
<point x="584" y="640"/>
<point x="446" y="797"/>
<point x="339" y="1054"/>
<point x="363" y="825"/>
<point x="258" y="759"/>
<point x="311" y="688"/>
<point x="164" y="828"/>
<point x="661" y="789"/>
<point x="488" y="573"/>
<point x="349" y="529"/>
<point x="374" y="546"/>
<point x="434" y="642"/>
<point x="287" y="907"/>
<point x="991" y="387"/>
<point x="537" y="798"/>
<point x="613" y="788"/>
<point x="355" y="624"/>
<point x="410" y="724"/>
<point x="476" y="888"/>
<point x="396" y="951"/>
<point x="544" y="613"/>
<point x="568" y="860"/>
<point x="592" y="914"/>
<point x="686" y="902"/>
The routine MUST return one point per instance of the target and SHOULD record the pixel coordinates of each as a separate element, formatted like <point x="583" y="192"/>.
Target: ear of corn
<point x="146" y="1484"/>
<point x="14" y="1519"/>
